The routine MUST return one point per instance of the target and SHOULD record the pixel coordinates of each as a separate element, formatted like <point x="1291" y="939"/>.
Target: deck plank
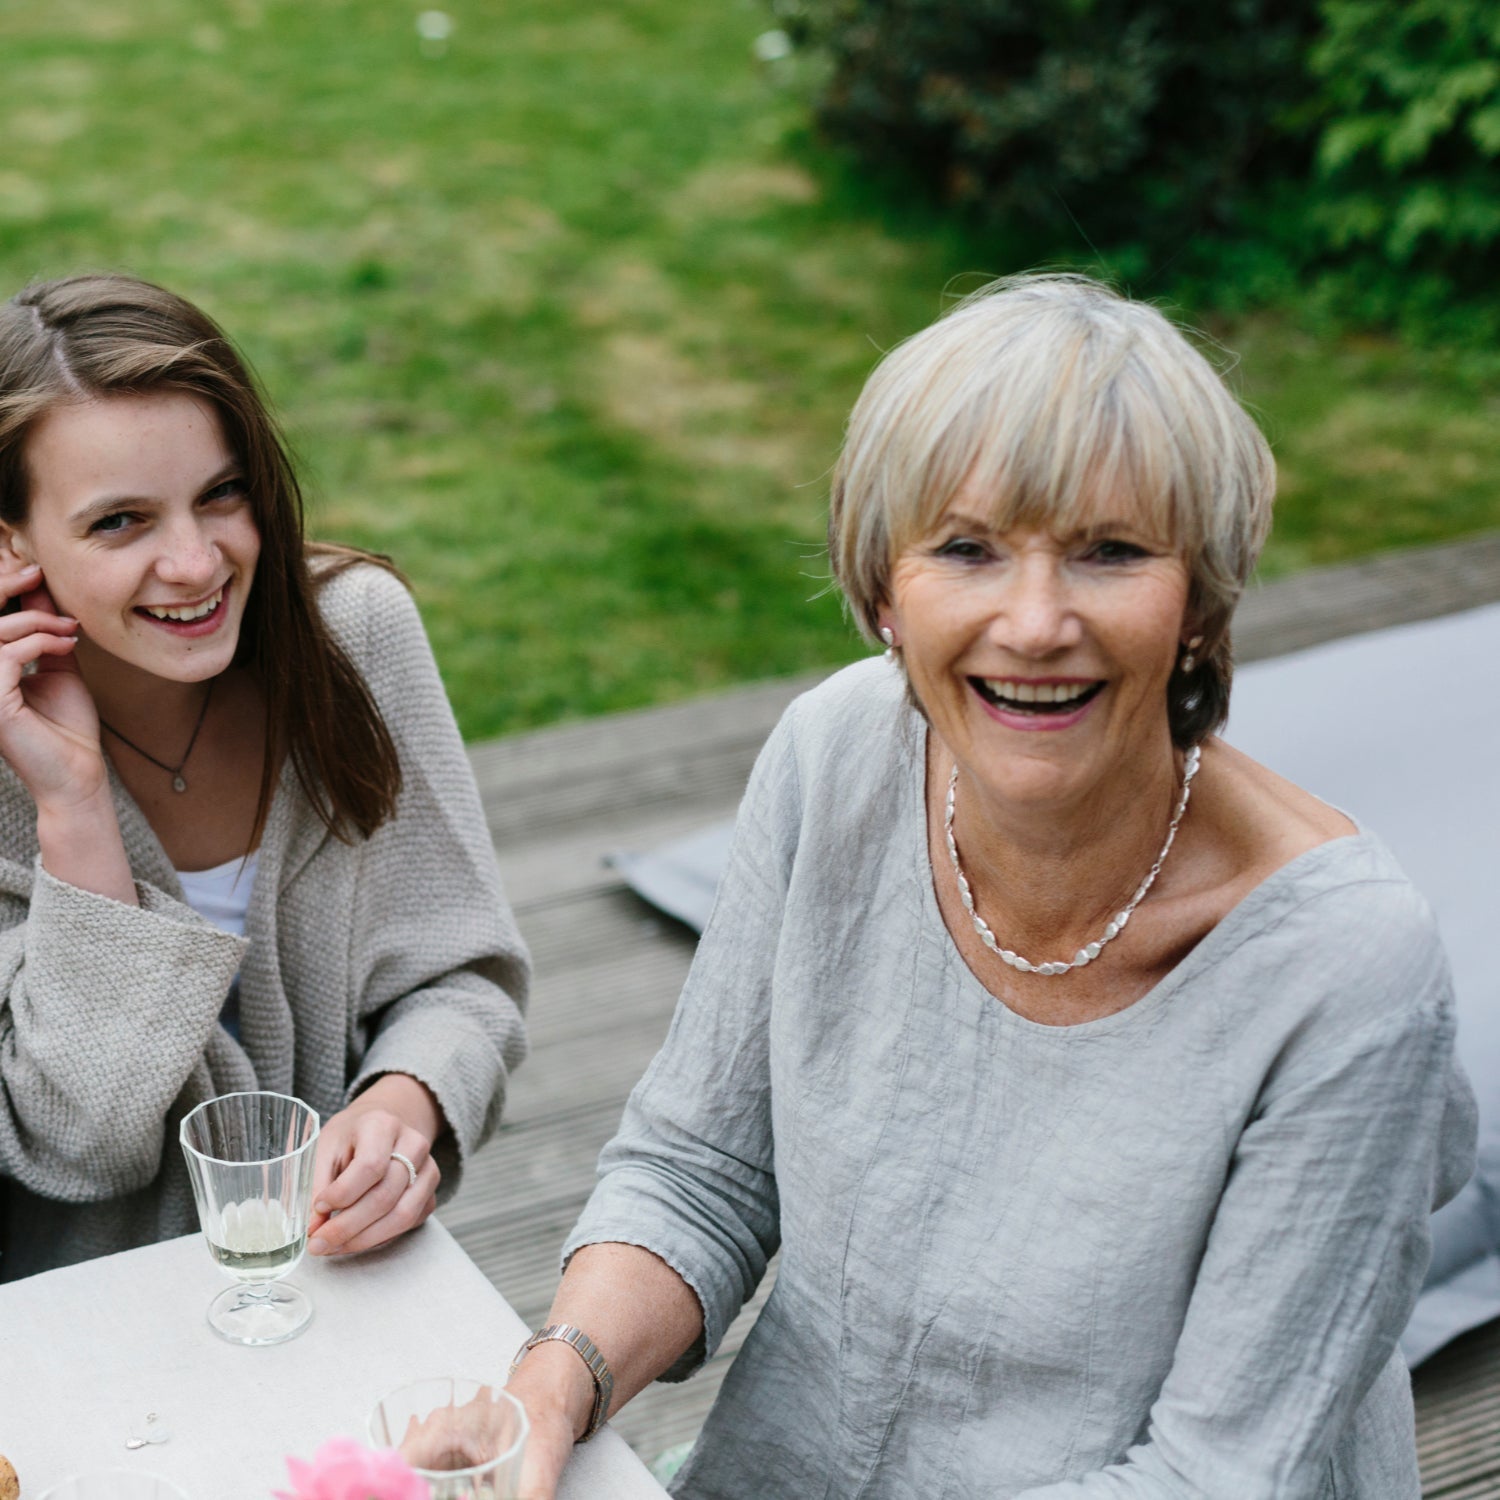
<point x="609" y="969"/>
<point x="1458" y="1418"/>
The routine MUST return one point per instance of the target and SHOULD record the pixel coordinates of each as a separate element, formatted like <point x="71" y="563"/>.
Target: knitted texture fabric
<point x="396" y="953"/>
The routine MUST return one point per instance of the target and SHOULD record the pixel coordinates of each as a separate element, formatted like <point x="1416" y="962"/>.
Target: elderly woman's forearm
<point x="639" y="1312"/>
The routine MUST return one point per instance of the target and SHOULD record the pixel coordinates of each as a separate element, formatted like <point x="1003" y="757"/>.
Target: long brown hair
<point x="85" y="337"/>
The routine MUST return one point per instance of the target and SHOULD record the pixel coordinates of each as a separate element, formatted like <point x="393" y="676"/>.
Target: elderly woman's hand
<point x="554" y="1386"/>
<point x="363" y="1194"/>
<point x="459" y="1437"/>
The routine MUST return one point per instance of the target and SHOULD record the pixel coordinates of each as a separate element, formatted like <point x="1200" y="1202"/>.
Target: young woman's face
<point x="143" y="530"/>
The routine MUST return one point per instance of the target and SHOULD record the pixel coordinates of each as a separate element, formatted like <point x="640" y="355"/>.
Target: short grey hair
<point x="1042" y="392"/>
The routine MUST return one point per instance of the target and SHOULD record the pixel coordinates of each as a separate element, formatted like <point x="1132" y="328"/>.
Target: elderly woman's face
<point x="1042" y="660"/>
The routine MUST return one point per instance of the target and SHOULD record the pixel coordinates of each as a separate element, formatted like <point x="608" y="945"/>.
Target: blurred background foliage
<point x="1409" y="136"/>
<point x="1252" y="147"/>
<point x="1148" y="122"/>
<point x="564" y="304"/>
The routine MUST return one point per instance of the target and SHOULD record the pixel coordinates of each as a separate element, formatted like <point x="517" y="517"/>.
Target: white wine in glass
<point x="250" y="1157"/>
<point x="255" y="1240"/>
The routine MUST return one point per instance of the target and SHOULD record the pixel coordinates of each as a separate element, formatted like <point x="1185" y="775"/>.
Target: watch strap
<point x="588" y="1351"/>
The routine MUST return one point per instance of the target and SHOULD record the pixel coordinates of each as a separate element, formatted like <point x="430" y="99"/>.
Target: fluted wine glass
<point x="250" y="1157"/>
<point x="464" y="1437"/>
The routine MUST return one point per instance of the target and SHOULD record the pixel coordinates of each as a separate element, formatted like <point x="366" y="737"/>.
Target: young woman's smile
<point x="144" y="533"/>
<point x="1041" y="661"/>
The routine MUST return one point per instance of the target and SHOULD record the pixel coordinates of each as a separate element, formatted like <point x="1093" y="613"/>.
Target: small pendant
<point x="178" y="784"/>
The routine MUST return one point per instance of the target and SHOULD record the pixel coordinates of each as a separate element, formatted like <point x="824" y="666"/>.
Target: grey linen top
<point x="395" y="953"/>
<point x="1166" y="1253"/>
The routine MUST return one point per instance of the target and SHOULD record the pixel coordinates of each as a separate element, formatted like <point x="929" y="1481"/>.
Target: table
<point x="86" y="1351"/>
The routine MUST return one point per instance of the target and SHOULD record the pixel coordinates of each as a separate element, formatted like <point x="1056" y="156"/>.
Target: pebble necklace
<point x="1090" y="951"/>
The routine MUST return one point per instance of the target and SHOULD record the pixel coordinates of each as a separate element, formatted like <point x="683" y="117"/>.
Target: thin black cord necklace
<point x="175" y="772"/>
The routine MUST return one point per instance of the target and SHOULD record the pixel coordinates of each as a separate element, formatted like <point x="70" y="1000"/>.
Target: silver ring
<point x="406" y="1162"/>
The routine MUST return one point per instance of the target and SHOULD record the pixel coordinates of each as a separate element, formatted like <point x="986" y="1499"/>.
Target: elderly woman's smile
<point x="1052" y="697"/>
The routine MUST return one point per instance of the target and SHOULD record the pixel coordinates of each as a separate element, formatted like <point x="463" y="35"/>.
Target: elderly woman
<point x="1095" y="1082"/>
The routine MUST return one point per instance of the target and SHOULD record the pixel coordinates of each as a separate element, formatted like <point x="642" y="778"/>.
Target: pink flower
<point x="342" y="1470"/>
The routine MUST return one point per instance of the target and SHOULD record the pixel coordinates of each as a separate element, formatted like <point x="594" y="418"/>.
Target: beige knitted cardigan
<point x="397" y="953"/>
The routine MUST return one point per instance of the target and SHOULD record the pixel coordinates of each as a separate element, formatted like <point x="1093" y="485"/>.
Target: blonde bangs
<point x="1058" y="404"/>
<point x="1065" y="464"/>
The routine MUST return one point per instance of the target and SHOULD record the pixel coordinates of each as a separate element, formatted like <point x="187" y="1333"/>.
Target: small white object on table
<point x="87" y="1351"/>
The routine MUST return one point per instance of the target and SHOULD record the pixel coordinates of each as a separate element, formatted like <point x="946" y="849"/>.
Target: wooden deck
<point x="609" y="968"/>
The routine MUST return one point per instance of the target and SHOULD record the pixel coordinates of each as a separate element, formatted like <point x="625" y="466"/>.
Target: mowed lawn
<point x="566" y="315"/>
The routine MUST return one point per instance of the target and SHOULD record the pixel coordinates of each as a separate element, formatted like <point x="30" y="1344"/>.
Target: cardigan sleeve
<point x="105" y="1009"/>
<point x="1320" y="1240"/>
<point x="439" y="968"/>
<point x="690" y="1175"/>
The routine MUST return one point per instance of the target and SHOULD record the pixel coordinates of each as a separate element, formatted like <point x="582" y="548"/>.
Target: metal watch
<point x="588" y="1352"/>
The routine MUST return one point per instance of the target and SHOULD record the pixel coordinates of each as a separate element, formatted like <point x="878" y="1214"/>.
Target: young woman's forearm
<point x="81" y="845"/>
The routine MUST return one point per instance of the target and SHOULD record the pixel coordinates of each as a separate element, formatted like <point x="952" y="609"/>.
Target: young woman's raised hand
<point x="49" y="728"/>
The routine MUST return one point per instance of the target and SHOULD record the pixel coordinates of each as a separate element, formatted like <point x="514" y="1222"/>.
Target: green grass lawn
<point x="568" y="318"/>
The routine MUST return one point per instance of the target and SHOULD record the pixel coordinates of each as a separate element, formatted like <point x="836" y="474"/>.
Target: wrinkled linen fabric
<point x="1164" y="1254"/>
<point x="396" y="953"/>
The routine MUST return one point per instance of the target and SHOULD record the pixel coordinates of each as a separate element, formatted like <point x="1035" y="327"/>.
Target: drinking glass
<point x="115" y="1484"/>
<point x="250" y="1157"/>
<point x="464" y="1437"/>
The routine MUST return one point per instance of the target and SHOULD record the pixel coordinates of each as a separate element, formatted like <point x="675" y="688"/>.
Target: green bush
<point x="1127" y="122"/>
<point x="1253" y="147"/>
<point x="1409" y="155"/>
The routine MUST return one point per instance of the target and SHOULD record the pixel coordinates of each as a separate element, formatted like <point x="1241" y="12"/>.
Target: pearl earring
<point x="1189" y="660"/>
<point x="889" y="637"/>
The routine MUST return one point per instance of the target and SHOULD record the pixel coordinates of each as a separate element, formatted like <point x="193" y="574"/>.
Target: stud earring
<point x="1189" y="660"/>
<point x="889" y="637"/>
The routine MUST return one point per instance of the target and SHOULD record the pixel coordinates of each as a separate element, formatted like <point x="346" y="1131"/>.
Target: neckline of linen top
<point x="1218" y="942"/>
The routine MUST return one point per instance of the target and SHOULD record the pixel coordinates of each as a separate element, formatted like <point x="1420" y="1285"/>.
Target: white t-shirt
<point x="222" y="894"/>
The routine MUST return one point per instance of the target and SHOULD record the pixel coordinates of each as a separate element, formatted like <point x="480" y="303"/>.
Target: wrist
<point x="85" y="806"/>
<point x="551" y="1381"/>
<point x="81" y="845"/>
<point x="410" y="1100"/>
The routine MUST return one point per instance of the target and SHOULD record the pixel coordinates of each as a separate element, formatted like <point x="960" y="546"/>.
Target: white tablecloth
<point x="85" y="1352"/>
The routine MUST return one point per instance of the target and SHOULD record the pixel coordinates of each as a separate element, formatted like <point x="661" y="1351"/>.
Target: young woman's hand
<point x="362" y="1193"/>
<point x="49" y="728"/>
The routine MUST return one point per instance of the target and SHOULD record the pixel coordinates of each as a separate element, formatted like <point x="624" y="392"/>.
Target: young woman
<point x="240" y="845"/>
